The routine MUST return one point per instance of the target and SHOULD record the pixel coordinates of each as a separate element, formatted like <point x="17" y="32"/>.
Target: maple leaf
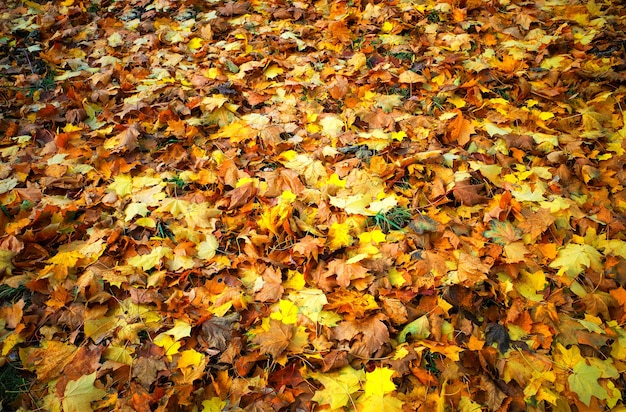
<point x="339" y="387"/>
<point x="191" y="363"/>
<point x="214" y="404"/>
<point x="574" y="258"/>
<point x="6" y="263"/>
<point x="460" y="129"/>
<point x="378" y="382"/>
<point x="287" y="312"/>
<point x="351" y="302"/>
<point x="49" y="360"/>
<point x="125" y="141"/>
<point x="310" y="302"/>
<point x="135" y="209"/>
<point x="376" y="403"/>
<point x="234" y="8"/>
<point x="168" y="343"/>
<point x="122" y="185"/>
<point x="7" y="184"/>
<point x="584" y="381"/>
<point x="312" y="170"/>
<point x="339" y="235"/>
<point x="374" y="333"/>
<point x="309" y="246"/>
<point x="152" y="259"/>
<point x="353" y="204"/>
<point x="470" y="269"/>
<point x="271" y="285"/>
<point x="208" y="247"/>
<point x="526" y="194"/>
<point x="536" y="223"/>
<point x="417" y="329"/>
<point x="502" y="233"/>
<point x="275" y="340"/>
<point x="217" y="331"/>
<point x="80" y="393"/>
<point x="468" y="193"/>
<point x="146" y="370"/>
<point x="346" y="272"/>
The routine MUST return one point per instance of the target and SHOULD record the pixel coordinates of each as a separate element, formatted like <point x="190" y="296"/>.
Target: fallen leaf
<point x="276" y="340"/>
<point x="80" y="393"/>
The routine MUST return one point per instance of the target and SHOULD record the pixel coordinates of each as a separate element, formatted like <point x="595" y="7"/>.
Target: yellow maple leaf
<point x="526" y="194"/>
<point x="168" y="343"/>
<point x="384" y="205"/>
<point x="378" y="382"/>
<point x="368" y="242"/>
<point x="566" y="358"/>
<point x="353" y="204"/>
<point x="190" y="357"/>
<point x="335" y="180"/>
<point x="338" y="387"/>
<point x="295" y="280"/>
<point x="303" y="164"/>
<point x="377" y="403"/>
<point x="98" y="329"/>
<point x="122" y="185"/>
<point x="236" y="132"/>
<point x="134" y="209"/>
<point x="152" y="259"/>
<point x="10" y="341"/>
<point x="376" y="236"/>
<point x="339" y="235"/>
<point x="178" y="262"/>
<point x="267" y="221"/>
<point x="68" y="259"/>
<point x="213" y="102"/>
<point x="574" y="258"/>
<point x="195" y="43"/>
<point x="214" y="404"/>
<point x="80" y="393"/>
<point x="273" y="71"/>
<point x="208" y="247"/>
<point x="310" y="302"/>
<point x="584" y="382"/>
<point x="287" y="312"/>
<point x="6" y="264"/>
<point x="175" y="207"/>
<point x="200" y="215"/>
<point x="331" y="125"/>
<point x="119" y="354"/>
<point x="530" y="284"/>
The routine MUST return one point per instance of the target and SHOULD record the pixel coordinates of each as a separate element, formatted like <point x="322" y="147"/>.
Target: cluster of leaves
<point x="343" y="205"/>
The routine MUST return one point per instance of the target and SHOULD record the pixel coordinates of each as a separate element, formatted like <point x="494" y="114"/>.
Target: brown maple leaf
<point x="216" y="332"/>
<point x="242" y="195"/>
<point x="468" y="193"/>
<point x="276" y="339"/>
<point x="309" y="246"/>
<point x="346" y="272"/>
<point x="472" y="269"/>
<point x="272" y="288"/>
<point x="536" y="222"/>
<point x="459" y="130"/>
<point x="234" y="8"/>
<point x="48" y="362"/>
<point x="85" y="361"/>
<point x="145" y="370"/>
<point x="125" y="141"/>
<point x="395" y="309"/>
<point x="368" y="335"/>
